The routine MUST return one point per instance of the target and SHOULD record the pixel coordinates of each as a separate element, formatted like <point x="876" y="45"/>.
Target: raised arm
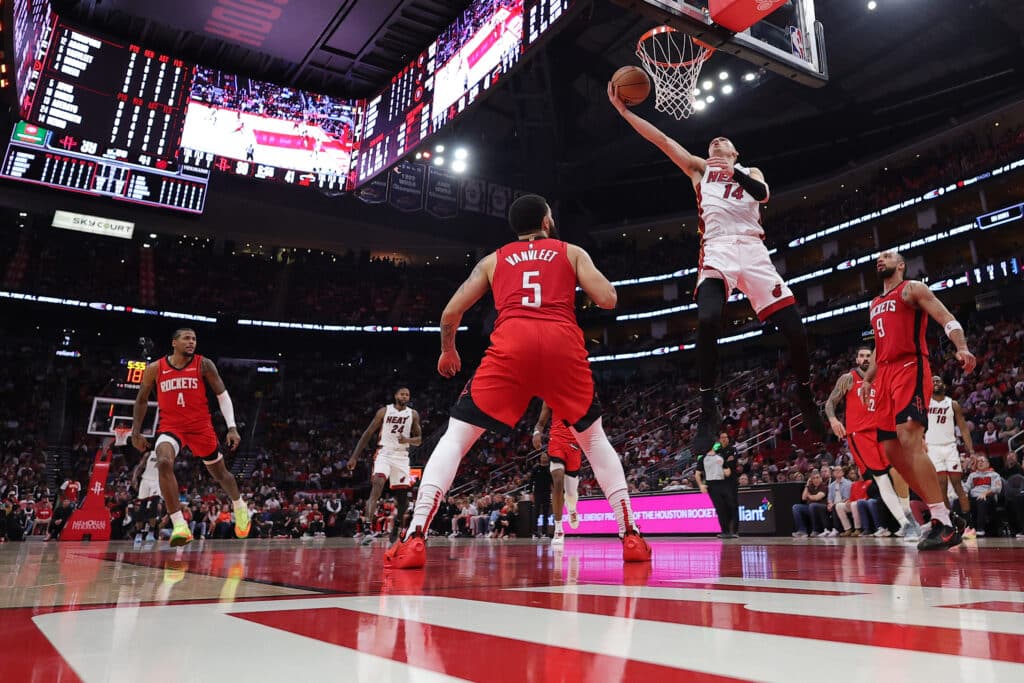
<point x="475" y="286"/>
<point x="140" y="442"/>
<point x="965" y="431"/>
<point x="692" y="165"/>
<point x="227" y="409"/>
<point x="917" y="295"/>
<point x="364" y="440"/>
<point x="600" y="290"/>
<point x="415" y="434"/>
<point x="843" y="385"/>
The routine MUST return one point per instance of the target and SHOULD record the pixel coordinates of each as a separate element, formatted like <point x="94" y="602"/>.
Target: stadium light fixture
<point x="726" y="89"/>
<point x="699" y="105"/>
<point x="438" y="161"/>
<point x="152" y="235"/>
<point x="707" y="85"/>
<point x="872" y="5"/>
<point x="749" y="76"/>
<point x="439" y="148"/>
<point x="461" y="153"/>
<point x="459" y="166"/>
<point x="723" y="75"/>
<point x="709" y="99"/>
<point x="419" y="155"/>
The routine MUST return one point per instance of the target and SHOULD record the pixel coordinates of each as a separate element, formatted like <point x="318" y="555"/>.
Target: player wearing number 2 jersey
<point x="536" y="350"/>
<point x="732" y="256"/>
<point x="903" y="384"/>
<point x="180" y="380"/>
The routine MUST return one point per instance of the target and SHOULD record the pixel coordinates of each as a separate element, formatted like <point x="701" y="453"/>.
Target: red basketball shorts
<point x="903" y="389"/>
<point x="867" y="452"/>
<point x="202" y="441"/>
<point x="529" y="358"/>
<point x="567" y="454"/>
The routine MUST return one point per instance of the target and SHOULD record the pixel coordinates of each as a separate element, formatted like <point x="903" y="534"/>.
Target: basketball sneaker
<point x="939" y="536"/>
<point x="558" y="540"/>
<point x="369" y="538"/>
<point x="969" y="533"/>
<point x="410" y="553"/>
<point x="180" y="535"/>
<point x="635" y="548"/>
<point x="574" y="519"/>
<point x="707" y="431"/>
<point x="242" y="522"/>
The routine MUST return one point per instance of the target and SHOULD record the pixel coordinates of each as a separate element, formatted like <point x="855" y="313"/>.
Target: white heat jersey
<point x="397" y="423"/>
<point x="725" y="209"/>
<point x="940" y="423"/>
<point x="150" y="473"/>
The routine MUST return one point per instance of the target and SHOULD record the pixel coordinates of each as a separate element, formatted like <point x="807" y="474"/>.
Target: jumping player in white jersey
<point x="943" y="413"/>
<point x="732" y="256"/>
<point x="146" y="476"/>
<point x="399" y="428"/>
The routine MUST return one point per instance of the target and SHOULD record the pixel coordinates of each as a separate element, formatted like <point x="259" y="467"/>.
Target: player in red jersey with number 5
<point x="536" y="350"/>
<point x="902" y="380"/>
<point x="181" y="380"/>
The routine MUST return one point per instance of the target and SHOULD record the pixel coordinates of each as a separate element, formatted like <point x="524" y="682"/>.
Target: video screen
<point x="275" y="127"/>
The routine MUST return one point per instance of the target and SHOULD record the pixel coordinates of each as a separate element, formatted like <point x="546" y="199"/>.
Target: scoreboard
<point x="32" y="22"/>
<point x="43" y="157"/>
<point x="123" y="102"/>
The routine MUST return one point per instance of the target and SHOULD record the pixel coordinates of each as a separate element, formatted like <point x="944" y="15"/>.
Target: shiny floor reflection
<point x="865" y="609"/>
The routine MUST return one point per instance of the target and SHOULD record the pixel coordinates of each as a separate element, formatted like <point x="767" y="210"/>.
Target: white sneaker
<point x="558" y="540"/>
<point x="970" y="533"/>
<point x="574" y="519"/>
<point x="799" y="534"/>
<point x="833" y="533"/>
<point x="882" y="532"/>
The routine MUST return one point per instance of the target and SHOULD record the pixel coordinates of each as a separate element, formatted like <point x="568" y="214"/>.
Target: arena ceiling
<point x="906" y="70"/>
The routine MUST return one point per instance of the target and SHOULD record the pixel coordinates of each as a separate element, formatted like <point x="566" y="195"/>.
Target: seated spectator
<point x="839" y="503"/>
<point x="1010" y="429"/>
<point x="44" y="514"/>
<point x="813" y="506"/>
<point x="1014" y="493"/>
<point x="991" y="434"/>
<point x="983" y="486"/>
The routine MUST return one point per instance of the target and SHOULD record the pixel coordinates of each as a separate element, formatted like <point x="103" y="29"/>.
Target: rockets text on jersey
<point x="534" y="279"/>
<point x="899" y="329"/>
<point x="724" y="208"/>
<point x="397" y="424"/>
<point x="181" y="395"/>
<point x="940" y="423"/>
<point x="859" y="417"/>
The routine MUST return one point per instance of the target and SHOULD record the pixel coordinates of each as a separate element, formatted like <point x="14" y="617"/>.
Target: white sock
<point x="905" y="504"/>
<point x="940" y="512"/>
<point x="607" y="468"/>
<point x="440" y="471"/>
<point x="572" y="492"/>
<point x="889" y="497"/>
<point x="558" y="526"/>
<point x="177" y="518"/>
<point x="239" y="504"/>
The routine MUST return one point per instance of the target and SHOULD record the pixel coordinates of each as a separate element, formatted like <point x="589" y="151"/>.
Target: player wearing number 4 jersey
<point x="536" y="350"/>
<point x="180" y="380"/>
<point x="902" y="383"/>
<point x="732" y="256"/>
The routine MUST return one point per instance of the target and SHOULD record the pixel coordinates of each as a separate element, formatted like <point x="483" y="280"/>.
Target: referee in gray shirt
<point x="717" y="468"/>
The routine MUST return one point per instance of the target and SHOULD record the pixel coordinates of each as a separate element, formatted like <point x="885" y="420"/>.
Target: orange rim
<point x="657" y="30"/>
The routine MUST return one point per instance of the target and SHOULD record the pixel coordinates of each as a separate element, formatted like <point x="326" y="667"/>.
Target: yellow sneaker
<point x="180" y="535"/>
<point x="242" y="522"/>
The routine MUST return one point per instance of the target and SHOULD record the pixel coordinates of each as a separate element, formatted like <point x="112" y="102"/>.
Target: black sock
<point x="710" y="302"/>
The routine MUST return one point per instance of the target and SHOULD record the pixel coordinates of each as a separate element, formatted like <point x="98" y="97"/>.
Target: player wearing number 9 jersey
<point x="902" y="382"/>
<point x="536" y="350"/>
<point x="180" y="380"/>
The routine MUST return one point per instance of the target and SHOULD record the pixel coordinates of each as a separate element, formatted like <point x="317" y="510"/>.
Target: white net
<point x="121" y="435"/>
<point x="673" y="60"/>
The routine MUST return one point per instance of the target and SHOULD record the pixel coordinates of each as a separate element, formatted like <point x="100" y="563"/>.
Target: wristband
<point x="951" y="327"/>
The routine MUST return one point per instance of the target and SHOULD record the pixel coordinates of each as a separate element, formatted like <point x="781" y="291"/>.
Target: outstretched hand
<point x="613" y="97"/>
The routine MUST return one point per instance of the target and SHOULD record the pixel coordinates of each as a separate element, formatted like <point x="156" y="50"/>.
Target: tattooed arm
<point x="475" y="286"/>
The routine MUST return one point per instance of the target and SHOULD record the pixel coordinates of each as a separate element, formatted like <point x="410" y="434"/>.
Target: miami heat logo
<point x="777" y="292"/>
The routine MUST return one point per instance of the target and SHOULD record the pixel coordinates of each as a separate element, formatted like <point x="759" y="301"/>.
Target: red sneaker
<point x="635" y="548"/>
<point x="408" y="554"/>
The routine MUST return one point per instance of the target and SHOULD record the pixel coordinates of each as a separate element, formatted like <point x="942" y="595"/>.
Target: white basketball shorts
<point x="394" y="465"/>
<point x="149" y="488"/>
<point x="744" y="264"/>
<point x="946" y="458"/>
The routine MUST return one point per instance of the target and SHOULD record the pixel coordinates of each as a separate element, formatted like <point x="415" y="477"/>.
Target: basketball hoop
<point x="121" y="435"/>
<point x="673" y="60"/>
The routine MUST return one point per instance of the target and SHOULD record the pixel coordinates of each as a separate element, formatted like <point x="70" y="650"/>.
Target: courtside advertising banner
<point x="96" y="225"/>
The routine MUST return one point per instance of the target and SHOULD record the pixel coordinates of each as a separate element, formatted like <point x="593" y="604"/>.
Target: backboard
<point x="108" y="413"/>
<point x="789" y="41"/>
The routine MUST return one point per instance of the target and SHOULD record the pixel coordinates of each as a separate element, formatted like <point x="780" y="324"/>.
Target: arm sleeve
<point x="755" y="188"/>
<point x="226" y="409"/>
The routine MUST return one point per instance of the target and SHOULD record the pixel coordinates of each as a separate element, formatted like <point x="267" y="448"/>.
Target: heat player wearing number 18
<point x="536" y="350"/>
<point x="902" y="381"/>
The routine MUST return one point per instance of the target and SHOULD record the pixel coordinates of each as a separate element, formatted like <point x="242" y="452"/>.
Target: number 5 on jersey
<point x="532" y="301"/>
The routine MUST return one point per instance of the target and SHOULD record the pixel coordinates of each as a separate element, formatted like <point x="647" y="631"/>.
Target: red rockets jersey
<point x="181" y="395"/>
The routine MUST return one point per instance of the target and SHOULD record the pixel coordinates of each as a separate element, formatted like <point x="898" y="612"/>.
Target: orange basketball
<point x="631" y="85"/>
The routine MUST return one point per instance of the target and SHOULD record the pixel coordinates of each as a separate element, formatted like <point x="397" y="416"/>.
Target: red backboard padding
<point x="739" y="15"/>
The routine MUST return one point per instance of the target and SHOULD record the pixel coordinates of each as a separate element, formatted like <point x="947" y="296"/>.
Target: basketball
<point x="631" y="85"/>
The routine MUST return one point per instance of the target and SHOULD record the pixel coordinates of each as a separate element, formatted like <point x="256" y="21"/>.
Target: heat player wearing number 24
<point x="732" y="256"/>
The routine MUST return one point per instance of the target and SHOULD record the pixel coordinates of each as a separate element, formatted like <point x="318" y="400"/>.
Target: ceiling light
<point x="459" y="166"/>
<point x="872" y="5"/>
<point x="710" y="99"/>
<point x="727" y="89"/>
<point x="419" y="155"/>
<point x="749" y="76"/>
<point x="696" y="91"/>
<point x="24" y="215"/>
<point x="152" y="235"/>
<point x="723" y="75"/>
<point x="439" y="149"/>
<point x="461" y="153"/>
<point x="707" y="85"/>
<point x="438" y="161"/>
<point x="699" y="105"/>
